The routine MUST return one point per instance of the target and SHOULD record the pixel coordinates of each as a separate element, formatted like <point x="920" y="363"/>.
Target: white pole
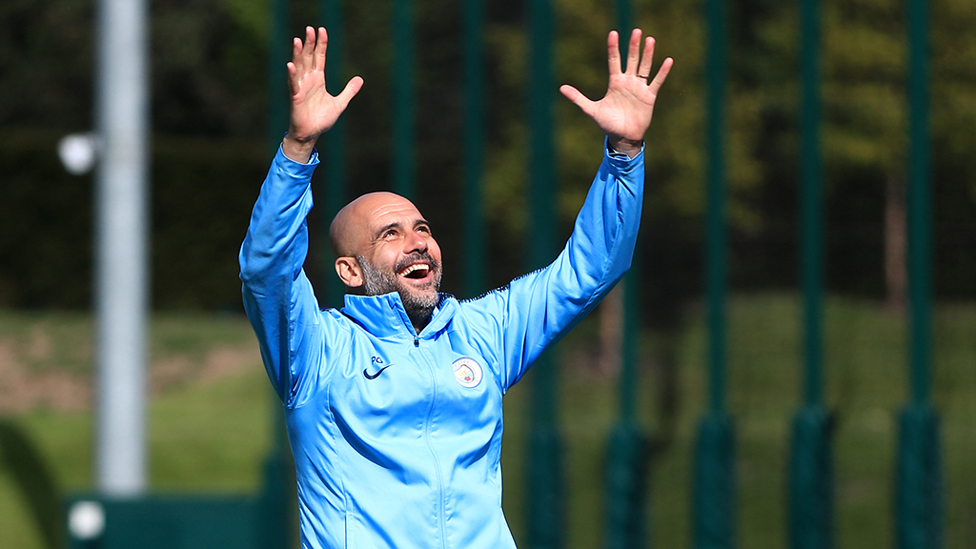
<point x="120" y="273"/>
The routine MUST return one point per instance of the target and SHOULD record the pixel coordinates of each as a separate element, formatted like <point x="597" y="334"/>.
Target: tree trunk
<point x="895" y="230"/>
<point x="611" y="330"/>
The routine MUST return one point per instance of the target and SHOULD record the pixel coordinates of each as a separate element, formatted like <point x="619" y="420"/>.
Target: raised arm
<point x="624" y="113"/>
<point x="313" y="109"/>
<point x="536" y="309"/>
<point x="278" y="297"/>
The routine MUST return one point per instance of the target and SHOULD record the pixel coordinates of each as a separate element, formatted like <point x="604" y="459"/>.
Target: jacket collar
<point x="384" y="315"/>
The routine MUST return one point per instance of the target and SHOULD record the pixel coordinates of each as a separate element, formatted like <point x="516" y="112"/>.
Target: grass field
<point x="210" y="418"/>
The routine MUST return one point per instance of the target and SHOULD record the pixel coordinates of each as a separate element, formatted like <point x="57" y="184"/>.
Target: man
<point x="394" y="403"/>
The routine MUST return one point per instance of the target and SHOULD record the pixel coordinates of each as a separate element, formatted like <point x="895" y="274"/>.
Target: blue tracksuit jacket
<point x="397" y="435"/>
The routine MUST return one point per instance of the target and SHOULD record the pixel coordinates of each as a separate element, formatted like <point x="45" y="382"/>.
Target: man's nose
<point x="416" y="243"/>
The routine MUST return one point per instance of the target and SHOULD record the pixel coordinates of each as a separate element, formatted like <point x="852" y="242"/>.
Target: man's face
<point x="399" y="253"/>
<point x="416" y="301"/>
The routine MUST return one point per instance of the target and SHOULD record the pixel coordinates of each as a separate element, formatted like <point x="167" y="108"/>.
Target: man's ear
<point x="349" y="271"/>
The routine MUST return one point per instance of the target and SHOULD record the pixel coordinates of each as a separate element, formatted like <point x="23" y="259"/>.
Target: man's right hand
<point x="313" y="109"/>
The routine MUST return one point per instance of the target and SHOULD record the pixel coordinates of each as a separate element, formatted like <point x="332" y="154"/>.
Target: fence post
<point x="628" y="448"/>
<point x="474" y="142"/>
<point x="279" y="53"/>
<point x="627" y="463"/>
<point x="334" y="165"/>
<point x="713" y="504"/>
<point x="546" y="502"/>
<point x="403" y="99"/>
<point x="277" y="501"/>
<point x="811" y="455"/>
<point x="919" y="493"/>
<point x="278" y="495"/>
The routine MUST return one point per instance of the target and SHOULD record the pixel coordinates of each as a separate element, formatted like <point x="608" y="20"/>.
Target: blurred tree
<point x="864" y="130"/>
<point x="209" y="82"/>
<point x="208" y="68"/>
<point x="953" y="100"/>
<point x="866" y="122"/>
<point x="46" y="64"/>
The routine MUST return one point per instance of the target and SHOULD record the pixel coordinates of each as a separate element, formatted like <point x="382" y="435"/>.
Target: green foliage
<point x="46" y="59"/>
<point x="209" y="109"/>
<point x="202" y="198"/>
<point x="864" y="96"/>
<point x="45" y="246"/>
<point x="201" y="192"/>
<point x="208" y="70"/>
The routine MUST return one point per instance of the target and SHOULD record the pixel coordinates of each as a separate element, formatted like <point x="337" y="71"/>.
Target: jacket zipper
<point x="430" y="446"/>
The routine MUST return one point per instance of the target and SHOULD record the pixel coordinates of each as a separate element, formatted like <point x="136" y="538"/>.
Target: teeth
<point x="414" y="268"/>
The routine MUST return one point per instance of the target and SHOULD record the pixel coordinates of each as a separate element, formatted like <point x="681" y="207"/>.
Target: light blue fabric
<point x="408" y="456"/>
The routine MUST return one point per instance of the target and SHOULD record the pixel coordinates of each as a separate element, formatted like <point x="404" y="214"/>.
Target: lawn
<point x="211" y="415"/>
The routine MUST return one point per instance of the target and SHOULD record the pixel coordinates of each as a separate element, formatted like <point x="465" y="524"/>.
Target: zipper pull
<point x="416" y="341"/>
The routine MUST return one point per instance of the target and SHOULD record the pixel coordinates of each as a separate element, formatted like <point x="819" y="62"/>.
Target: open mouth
<point x="416" y="271"/>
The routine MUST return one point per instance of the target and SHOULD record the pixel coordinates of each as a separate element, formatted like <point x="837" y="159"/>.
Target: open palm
<point x="313" y="109"/>
<point x="625" y="112"/>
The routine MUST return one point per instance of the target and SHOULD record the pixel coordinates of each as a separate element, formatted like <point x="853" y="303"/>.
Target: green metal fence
<point x="919" y="514"/>
<point x="811" y="455"/>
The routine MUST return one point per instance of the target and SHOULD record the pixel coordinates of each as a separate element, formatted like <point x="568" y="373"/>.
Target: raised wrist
<point x="298" y="149"/>
<point x="625" y="146"/>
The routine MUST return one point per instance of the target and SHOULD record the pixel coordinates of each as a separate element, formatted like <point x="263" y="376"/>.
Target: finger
<point x="318" y="61"/>
<point x="576" y="97"/>
<point x="647" y="58"/>
<point x="296" y="53"/>
<point x="308" y="49"/>
<point x="613" y="52"/>
<point x="292" y="78"/>
<point x="661" y="76"/>
<point x="352" y="88"/>
<point x="633" y="52"/>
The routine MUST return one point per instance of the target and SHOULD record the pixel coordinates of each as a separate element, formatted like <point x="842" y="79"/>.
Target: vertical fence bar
<point x="278" y="493"/>
<point x="811" y="459"/>
<point x="716" y="260"/>
<point x="336" y="178"/>
<point x="474" y="142"/>
<point x="627" y="458"/>
<point x="546" y="507"/>
<point x="919" y="201"/>
<point x="541" y="160"/>
<point x="404" y="175"/>
<point x="627" y="452"/>
<point x="628" y="389"/>
<point x="279" y="53"/>
<point x="919" y="493"/>
<point x="811" y="200"/>
<point x="122" y="277"/>
<point x="713" y="506"/>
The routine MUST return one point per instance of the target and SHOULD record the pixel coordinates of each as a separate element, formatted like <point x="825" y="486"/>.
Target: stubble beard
<point x="418" y="304"/>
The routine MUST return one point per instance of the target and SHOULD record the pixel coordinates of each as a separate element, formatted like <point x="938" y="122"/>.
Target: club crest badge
<point x="467" y="372"/>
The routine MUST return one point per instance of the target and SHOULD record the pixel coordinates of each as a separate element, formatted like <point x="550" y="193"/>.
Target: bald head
<point x="382" y="244"/>
<point x="352" y="228"/>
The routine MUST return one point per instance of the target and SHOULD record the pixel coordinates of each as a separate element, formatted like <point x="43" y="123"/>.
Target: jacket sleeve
<point x="535" y="310"/>
<point x="278" y="297"/>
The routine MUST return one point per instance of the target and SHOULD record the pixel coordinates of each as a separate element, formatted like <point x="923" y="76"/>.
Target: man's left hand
<point x="624" y="113"/>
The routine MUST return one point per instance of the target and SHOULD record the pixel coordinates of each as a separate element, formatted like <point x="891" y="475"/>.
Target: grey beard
<point x="418" y="307"/>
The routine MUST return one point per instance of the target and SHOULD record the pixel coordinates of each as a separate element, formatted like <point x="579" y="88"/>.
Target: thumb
<point x="352" y="88"/>
<point x="576" y="97"/>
